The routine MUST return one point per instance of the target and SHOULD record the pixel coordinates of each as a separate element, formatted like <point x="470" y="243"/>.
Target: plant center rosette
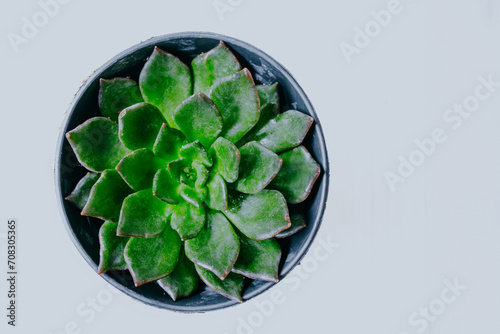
<point x="195" y="172"/>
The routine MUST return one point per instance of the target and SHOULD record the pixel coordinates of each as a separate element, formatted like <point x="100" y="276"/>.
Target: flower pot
<point x="84" y="230"/>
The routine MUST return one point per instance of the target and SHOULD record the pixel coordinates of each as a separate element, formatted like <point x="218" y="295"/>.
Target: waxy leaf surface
<point x="259" y="216"/>
<point x="258" y="259"/>
<point x="216" y="247"/>
<point x="285" y="131"/>
<point x="166" y="187"/>
<point x="188" y="220"/>
<point x="80" y="195"/>
<point x="238" y="102"/>
<point x="168" y="143"/>
<point x="199" y="119"/>
<point x="217" y="193"/>
<point x="117" y="94"/>
<point x="165" y="81"/>
<point x="106" y="197"/>
<point x="193" y="194"/>
<point x="212" y="65"/>
<point x="139" y="126"/>
<point x="258" y="167"/>
<point x="226" y="158"/>
<point x="183" y="281"/>
<point x="269" y="107"/>
<point x="111" y="248"/>
<point x="297" y="175"/>
<point x="139" y="168"/>
<point x="149" y="259"/>
<point x="298" y="223"/>
<point x="142" y="215"/>
<point x="195" y="152"/>
<point x="231" y="287"/>
<point x="96" y="144"/>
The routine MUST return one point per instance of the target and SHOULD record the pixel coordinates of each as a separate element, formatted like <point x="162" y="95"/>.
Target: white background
<point x="396" y="247"/>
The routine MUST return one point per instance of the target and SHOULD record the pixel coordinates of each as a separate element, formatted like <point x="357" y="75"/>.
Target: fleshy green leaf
<point x="139" y="168"/>
<point x="215" y="64"/>
<point x="199" y="119"/>
<point x="111" y="248"/>
<point x="217" y="193"/>
<point x="238" y="102"/>
<point x="201" y="174"/>
<point x="139" y="126"/>
<point x="165" y="81"/>
<point x="258" y="259"/>
<point x="259" y="216"/>
<point x="196" y="152"/>
<point x="231" y="287"/>
<point x="142" y="215"/>
<point x="165" y="187"/>
<point x="216" y="247"/>
<point x="183" y="281"/>
<point x="298" y="223"/>
<point x="106" y="196"/>
<point x="188" y="220"/>
<point x="80" y="195"/>
<point x="96" y="144"/>
<point x="117" y="94"/>
<point x="226" y="158"/>
<point x="150" y="259"/>
<point x="269" y="107"/>
<point x="168" y="143"/>
<point x="285" y="131"/>
<point x="297" y="175"/>
<point x="193" y="195"/>
<point x="258" y="167"/>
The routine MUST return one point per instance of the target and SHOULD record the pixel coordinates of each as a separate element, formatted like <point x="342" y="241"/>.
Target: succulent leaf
<point x="201" y="174"/>
<point x="165" y="187"/>
<point x="226" y="157"/>
<point x="165" y="81"/>
<point x="106" y="196"/>
<point x="111" y="248"/>
<point x="188" y="220"/>
<point x="215" y="64"/>
<point x="80" y="195"/>
<point x="150" y="259"/>
<point x="96" y="144"/>
<point x="139" y="168"/>
<point x="183" y="281"/>
<point x="192" y="194"/>
<point x="238" y="102"/>
<point x="230" y="287"/>
<point x="216" y="247"/>
<point x="258" y="259"/>
<point x="142" y="215"/>
<point x="298" y="223"/>
<point x="285" y="131"/>
<point x="168" y="143"/>
<point x="117" y="94"/>
<point x="297" y="175"/>
<point x="269" y="108"/>
<point x="258" y="167"/>
<point x="195" y="152"/>
<point x="217" y="193"/>
<point x="199" y="119"/>
<point x="259" y="216"/>
<point x="139" y="126"/>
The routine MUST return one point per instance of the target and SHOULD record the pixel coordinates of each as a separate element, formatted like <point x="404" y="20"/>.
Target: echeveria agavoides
<point x="194" y="171"/>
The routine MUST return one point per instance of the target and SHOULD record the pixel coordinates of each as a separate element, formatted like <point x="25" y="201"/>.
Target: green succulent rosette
<point x="194" y="171"/>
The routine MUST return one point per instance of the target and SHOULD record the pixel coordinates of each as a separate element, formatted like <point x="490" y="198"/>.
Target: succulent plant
<point x="194" y="171"/>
